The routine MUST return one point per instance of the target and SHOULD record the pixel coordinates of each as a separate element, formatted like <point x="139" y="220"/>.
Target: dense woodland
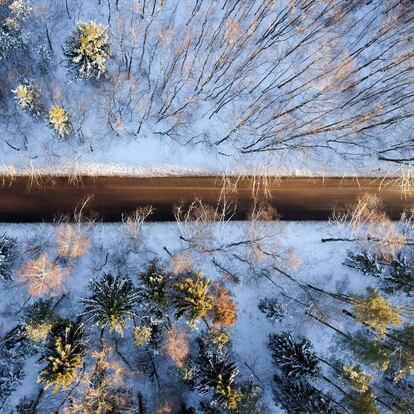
<point x="207" y="315"/>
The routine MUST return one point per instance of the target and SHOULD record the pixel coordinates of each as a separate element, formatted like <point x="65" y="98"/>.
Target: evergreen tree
<point x="153" y="291"/>
<point x="27" y="96"/>
<point x="401" y="276"/>
<point x="251" y="399"/>
<point x="8" y="247"/>
<point x="359" y="380"/>
<point x="218" y="376"/>
<point x="13" y="15"/>
<point x="14" y="349"/>
<point x="192" y="298"/>
<point x="299" y="397"/>
<point x="397" y="275"/>
<point x="87" y="50"/>
<point x="366" y="262"/>
<point x="59" y="119"/>
<point x="295" y="358"/>
<point x="39" y="319"/>
<point x="405" y="353"/>
<point x="375" y="312"/>
<point x="364" y="404"/>
<point x="272" y="309"/>
<point x="112" y="302"/>
<point x="64" y="356"/>
<point x="371" y="351"/>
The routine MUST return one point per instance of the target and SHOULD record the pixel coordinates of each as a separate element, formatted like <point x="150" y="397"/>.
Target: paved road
<point x="295" y="198"/>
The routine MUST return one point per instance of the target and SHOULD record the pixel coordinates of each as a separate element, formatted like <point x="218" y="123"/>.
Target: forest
<point x="208" y="314"/>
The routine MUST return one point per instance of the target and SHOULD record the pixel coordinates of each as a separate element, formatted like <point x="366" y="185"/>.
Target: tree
<point x="72" y="242"/>
<point x="218" y="376"/>
<point x="405" y="355"/>
<point x="64" y="356"/>
<point x="14" y="349"/>
<point x="359" y="380"/>
<point x="371" y="351"/>
<point x="298" y="397"/>
<point x="364" y="403"/>
<point x="366" y="262"/>
<point x="396" y="274"/>
<point x="42" y="276"/>
<point x="87" y="50"/>
<point x="28" y="97"/>
<point x="101" y="390"/>
<point x="142" y="335"/>
<point x="224" y="308"/>
<point x="176" y="345"/>
<point x="401" y="276"/>
<point x="295" y="358"/>
<point x="38" y="320"/>
<point x="192" y="298"/>
<point x="251" y="396"/>
<point x="112" y="302"/>
<point x="59" y="119"/>
<point x="153" y="290"/>
<point x="8" y="247"/>
<point x="272" y="309"/>
<point x="13" y="15"/>
<point x="375" y="312"/>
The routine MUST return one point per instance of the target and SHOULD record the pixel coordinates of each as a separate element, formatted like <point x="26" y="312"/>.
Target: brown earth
<point x="296" y="198"/>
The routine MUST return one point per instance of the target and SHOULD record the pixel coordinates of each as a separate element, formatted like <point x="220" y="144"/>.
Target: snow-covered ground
<point x="288" y="89"/>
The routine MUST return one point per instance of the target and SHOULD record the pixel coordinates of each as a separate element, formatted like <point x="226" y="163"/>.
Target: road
<point x="295" y="198"/>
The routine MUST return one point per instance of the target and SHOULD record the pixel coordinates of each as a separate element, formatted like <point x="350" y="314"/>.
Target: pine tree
<point x="142" y="335"/>
<point x="39" y="319"/>
<point x="299" y="397"/>
<point x="112" y="302"/>
<point x="295" y="358"/>
<point x="364" y="404"/>
<point x="359" y="380"/>
<point x="405" y="353"/>
<point x="153" y="291"/>
<point x="64" y="356"/>
<point x="192" y="298"/>
<point x="371" y="351"/>
<point x="14" y="349"/>
<point x="272" y="309"/>
<point x="8" y="247"/>
<point x="13" y="15"/>
<point x="28" y="97"/>
<point x="401" y="276"/>
<point x="375" y="312"/>
<point x="87" y="50"/>
<point x="59" y="119"/>
<point x="396" y="275"/>
<point x="366" y="262"/>
<point x="251" y="399"/>
<point x="218" y="376"/>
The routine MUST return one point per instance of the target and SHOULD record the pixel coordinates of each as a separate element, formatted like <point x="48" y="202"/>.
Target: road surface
<point x="295" y="198"/>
